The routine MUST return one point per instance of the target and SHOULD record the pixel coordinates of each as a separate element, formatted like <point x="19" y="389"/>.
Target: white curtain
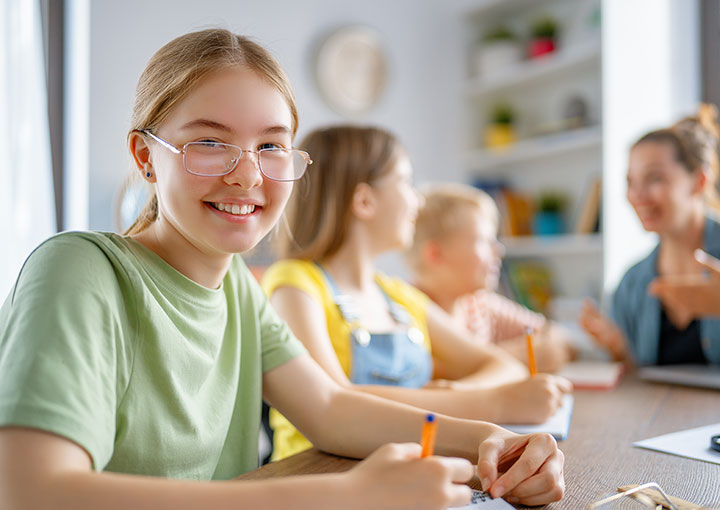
<point x="27" y="204"/>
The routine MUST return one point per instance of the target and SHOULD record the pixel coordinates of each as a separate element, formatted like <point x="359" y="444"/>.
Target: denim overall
<point x="390" y="359"/>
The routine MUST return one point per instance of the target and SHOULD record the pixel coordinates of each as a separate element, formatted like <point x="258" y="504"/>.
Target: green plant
<point x="502" y="113"/>
<point x="545" y="27"/>
<point x="499" y="33"/>
<point x="552" y="202"/>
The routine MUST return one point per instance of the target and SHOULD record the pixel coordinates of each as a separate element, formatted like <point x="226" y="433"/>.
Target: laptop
<point x="703" y="376"/>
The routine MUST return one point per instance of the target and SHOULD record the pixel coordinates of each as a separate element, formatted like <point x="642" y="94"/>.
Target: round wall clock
<point x="352" y="69"/>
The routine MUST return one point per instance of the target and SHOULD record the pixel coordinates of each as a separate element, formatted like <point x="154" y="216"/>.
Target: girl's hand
<point x="604" y="331"/>
<point x="395" y="476"/>
<point x="534" y="400"/>
<point x="526" y="469"/>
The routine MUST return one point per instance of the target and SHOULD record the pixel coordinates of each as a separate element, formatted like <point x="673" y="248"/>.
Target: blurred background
<point x="535" y="101"/>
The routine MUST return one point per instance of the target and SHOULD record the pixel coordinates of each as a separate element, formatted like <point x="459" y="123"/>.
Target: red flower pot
<point x="541" y="46"/>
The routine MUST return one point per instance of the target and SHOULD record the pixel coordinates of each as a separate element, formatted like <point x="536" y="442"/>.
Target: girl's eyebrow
<point x="279" y="129"/>
<point x="206" y="123"/>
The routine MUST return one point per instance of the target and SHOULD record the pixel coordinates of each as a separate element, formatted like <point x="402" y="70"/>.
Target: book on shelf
<point x="531" y="283"/>
<point x="588" y="219"/>
<point x="516" y="209"/>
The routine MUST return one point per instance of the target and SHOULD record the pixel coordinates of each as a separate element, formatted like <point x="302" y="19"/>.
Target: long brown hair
<point x="694" y="140"/>
<point x="179" y="67"/>
<point x="319" y="210"/>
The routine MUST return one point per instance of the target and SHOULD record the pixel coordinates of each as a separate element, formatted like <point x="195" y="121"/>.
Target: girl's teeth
<point x="235" y="208"/>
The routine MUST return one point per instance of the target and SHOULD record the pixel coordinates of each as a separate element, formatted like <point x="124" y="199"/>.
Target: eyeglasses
<point x="213" y="159"/>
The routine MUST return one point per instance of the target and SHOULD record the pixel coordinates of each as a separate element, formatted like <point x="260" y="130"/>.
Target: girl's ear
<point x="432" y="253"/>
<point x="363" y="204"/>
<point x="701" y="179"/>
<point x="141" y="155"/>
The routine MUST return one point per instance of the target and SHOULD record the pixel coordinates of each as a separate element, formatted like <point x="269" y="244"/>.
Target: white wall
<point x="420" y="105"/>
<point x="650" y="79"/>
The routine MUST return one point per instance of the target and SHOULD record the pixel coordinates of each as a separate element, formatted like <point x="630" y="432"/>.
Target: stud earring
<point x="148" y="174"/>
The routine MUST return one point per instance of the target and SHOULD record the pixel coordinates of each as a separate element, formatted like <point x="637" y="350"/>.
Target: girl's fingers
<point x="460" y="470"/>
<point x="547" y="483"/>
<point x="488" y="455"/>
<point x="539" y="448"/>
<point x="707" y="260"/>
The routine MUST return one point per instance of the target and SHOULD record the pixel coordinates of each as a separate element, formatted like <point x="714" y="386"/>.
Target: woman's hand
<point x="604" y="331"/>
<point x="533" y="400"/>
<point x="687" y="297"/>
<point x="526" y="469"/>
<point x="395" y="476"/>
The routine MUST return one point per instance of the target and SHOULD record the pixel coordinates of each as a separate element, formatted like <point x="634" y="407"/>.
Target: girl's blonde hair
<point x="319" y="210"/>
<point x="694" y="140"/>
<point x="443" y="213"/>
<point x="179" y="67"/>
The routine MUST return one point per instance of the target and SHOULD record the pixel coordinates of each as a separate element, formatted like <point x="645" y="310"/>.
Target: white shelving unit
<point x="543" y="158"/>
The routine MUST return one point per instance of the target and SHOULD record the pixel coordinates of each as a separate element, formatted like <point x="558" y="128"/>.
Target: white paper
<point x="558" y="425"/>
<point x="692" y="443"/>
<point x="481" y="499"/>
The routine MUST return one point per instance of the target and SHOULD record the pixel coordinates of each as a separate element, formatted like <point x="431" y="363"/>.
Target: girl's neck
<point x="352" y="266"/>
<point x="677" y="247"/>
<point x="202" y="268"/>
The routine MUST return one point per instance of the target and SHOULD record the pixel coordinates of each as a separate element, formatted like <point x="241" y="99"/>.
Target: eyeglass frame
<point x="175" y="150"/>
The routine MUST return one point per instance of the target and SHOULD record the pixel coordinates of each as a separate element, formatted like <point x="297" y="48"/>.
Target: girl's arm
<point x="350" y="423"/>
<point x="460" y="359"/>
<point x="42" y="470"/>
<point x="526" y="401"/>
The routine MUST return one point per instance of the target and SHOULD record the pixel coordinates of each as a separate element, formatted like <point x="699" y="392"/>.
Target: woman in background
<point x="372" y="333"/>
<point x="671" y="184"/>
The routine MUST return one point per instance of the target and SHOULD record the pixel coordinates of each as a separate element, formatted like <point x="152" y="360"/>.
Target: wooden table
<point x="599" y="456"/>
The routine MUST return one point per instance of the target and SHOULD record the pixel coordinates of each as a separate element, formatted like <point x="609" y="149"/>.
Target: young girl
<point x="456" y="259"/>
<point x="127" y="361"/>
<point x="671" y="179"/>
<point x="376" y="334"/>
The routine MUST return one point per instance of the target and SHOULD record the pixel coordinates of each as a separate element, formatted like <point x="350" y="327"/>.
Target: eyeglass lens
<point x="217" y="158"/>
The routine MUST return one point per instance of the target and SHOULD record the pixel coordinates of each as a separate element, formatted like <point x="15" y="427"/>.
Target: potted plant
<point x="543" y="37"/>
<point x="548" y="219"/>
<point x="497" y="49"/>
<point x="500" y="131"/>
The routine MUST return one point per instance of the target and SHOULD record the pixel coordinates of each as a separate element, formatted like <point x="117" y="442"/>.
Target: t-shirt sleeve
<point x="58" y="361"/>
<point x="298" y="274"/>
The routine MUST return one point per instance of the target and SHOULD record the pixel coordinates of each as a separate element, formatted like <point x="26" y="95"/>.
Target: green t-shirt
<point x="104" y="343"/>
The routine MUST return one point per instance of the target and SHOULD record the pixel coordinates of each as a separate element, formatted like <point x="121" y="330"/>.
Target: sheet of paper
<point x="704" y="376"/>
<point x="481" y="499"/>
<point x="558" y="425"/>
<point x="592" y="374"/>
<point x="691" y="443"/>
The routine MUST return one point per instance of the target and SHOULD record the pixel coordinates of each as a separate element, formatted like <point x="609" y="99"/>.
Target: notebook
<point x="593" y="374"/>
<point x="558" y="425"/>
<point x="691" y="443"/>
<point x="481" y="499"/>
<point x="704" y="376"/>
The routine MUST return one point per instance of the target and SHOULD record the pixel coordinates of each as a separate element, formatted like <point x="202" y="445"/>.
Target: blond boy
<point x="456" y="259"/>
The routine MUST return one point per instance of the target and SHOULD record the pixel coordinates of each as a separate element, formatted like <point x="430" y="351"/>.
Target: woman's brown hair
<point x="694" y="140"/>
<point x="319" y="210"/>
<point x="177" y="68"/>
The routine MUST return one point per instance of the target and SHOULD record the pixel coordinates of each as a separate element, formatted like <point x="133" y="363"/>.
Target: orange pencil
<point x="428" y="436"/>
<point x="531" y="352"/>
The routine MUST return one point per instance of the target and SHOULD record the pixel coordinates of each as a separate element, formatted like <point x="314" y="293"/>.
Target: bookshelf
<point x="550" y="154"/>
